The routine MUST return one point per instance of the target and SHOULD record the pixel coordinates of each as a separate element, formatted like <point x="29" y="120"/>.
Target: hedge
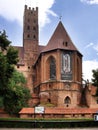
<point x="47" y="124"/>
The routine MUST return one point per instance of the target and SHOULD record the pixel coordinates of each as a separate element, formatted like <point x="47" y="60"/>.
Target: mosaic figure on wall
<point x="66" y="70"/>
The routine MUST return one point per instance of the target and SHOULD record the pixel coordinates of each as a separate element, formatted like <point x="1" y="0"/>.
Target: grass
<point x="47" y="119"/>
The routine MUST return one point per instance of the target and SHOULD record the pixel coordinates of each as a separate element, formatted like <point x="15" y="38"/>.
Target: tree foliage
<point x="13" y="94"/>
<point x="8" y="58"/>
<point x="17" y="95"/>
<point x="95" y="79"/>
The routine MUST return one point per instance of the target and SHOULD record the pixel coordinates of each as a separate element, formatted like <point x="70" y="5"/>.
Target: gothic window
<point x="34" y="36"/>
<point x="67" y="100"/>
<point x="52" y="68"/>
<point x="34" y="28"/>
<point x="78" y="70"/>
<point x="28" y="36"/>
<point x="28" y="27"/>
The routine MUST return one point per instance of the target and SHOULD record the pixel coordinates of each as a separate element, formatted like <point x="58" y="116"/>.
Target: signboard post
<point x="96" y="117"/>
<point x="39" y="110"/>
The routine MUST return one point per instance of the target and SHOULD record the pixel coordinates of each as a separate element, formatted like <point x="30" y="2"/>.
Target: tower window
<point x="34" y="28"/>
<point x="34" y="36"/>
<point x="28" y="67"/>
<point x="28" y="27"/>
<point x="28" y="36"/>
<point x="65" y="43"/>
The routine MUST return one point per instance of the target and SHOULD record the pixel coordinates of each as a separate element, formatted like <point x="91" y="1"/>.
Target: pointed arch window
<point x="28" y="27"/>
<point x="67" y="100"/>
<point x="34" y="28"/>
<point x="52" y="68"/>
<point x="34" y="37"/>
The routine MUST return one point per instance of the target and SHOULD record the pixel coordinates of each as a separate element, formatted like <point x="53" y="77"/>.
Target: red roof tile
<point x="60" y="40"/>
<point x="26" y="111"/>
<point x="62" y="110"/>
<point x="41" y="48"/>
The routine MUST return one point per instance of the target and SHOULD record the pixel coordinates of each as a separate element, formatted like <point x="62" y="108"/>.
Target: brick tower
<point x="30" y="41"/>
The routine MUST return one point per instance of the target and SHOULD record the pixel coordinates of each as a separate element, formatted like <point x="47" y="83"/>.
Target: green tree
<point x="4" y="42"/>
<point x="17" y="95"/>
<point x="95" y="79"/>
<point x="8" y="58"/>
<point x="13" y="94"/>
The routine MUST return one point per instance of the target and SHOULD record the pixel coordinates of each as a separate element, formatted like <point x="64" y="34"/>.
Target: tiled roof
<point x="71" y="110"/>
<point x="27" y="111"/>
<point x="41" y="48"/>
<point x="62" y="110"/>
<point x="60" y="40"/>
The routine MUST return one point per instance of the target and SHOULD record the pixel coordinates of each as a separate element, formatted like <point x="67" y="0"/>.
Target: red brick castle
<point x="54" y="71"/>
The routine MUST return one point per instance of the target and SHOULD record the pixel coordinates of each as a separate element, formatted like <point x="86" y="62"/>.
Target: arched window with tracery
<point x="67" y="101"/>
<point x="52" y="68"/>
<point x="78" y="70"/>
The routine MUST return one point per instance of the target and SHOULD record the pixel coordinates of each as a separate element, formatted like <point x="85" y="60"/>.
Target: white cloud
<point x="88" y="66"/>
<point x="96" y="47"/>
<point x="89" y="45"/>
<point x="13" y="9"/>
<point x="90" y="1"/>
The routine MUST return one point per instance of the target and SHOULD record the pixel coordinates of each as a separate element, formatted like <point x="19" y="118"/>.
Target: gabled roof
<point x="58" y="110"/>
<point x="60" y="40"/>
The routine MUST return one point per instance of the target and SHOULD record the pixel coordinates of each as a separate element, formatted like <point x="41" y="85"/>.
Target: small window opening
<point x="83" y="115"/>
<point x="34" y="36"/>
<point x="49" y="100"/>
<point x="28" y="36"/>
<point x="67" y="101"/>
<point x="18" y="66"/>
<point x="34" y="28"/>
<point x="28" y="27"/>
<point x="67" y="105"/>
<point x="65" y="44"/>
<point x="28" y="67"/>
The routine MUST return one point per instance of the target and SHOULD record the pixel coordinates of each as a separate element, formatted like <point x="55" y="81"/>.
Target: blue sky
<point x="79" y="17"/>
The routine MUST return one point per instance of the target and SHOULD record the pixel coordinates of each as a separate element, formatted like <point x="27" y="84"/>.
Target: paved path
<point x="49" y="129"/>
